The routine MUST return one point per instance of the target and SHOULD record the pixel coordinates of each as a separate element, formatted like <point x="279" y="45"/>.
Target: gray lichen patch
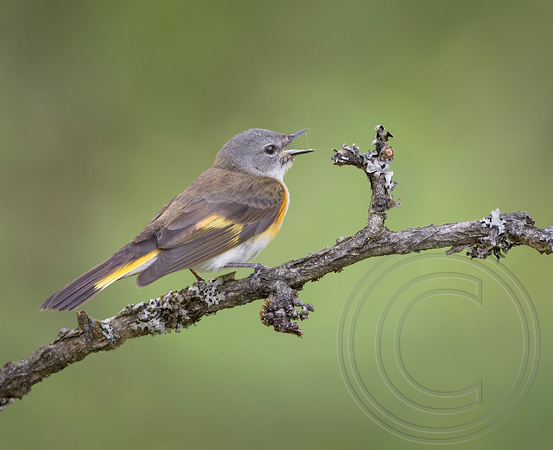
<point x="548" y="237"/>
<point x="208" y="291"/>
<point x="107" y="331"/>
<point x="497" y="243"/>
<point x="494" y="222"/>
<point x="161" y="315"/>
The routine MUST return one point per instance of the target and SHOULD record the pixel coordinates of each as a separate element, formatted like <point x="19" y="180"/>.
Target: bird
<point x="224" y="219"/>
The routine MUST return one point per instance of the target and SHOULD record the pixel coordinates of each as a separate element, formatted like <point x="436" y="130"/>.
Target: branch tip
<point x="376" y="165"/>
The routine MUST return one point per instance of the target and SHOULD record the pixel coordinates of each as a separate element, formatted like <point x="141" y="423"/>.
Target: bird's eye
<point x="270" y="149"/>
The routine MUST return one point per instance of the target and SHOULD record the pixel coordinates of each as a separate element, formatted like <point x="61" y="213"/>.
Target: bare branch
<point x="493" y="235"/>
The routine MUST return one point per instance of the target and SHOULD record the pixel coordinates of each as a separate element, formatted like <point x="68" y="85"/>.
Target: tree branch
<point x="493" y="235"/>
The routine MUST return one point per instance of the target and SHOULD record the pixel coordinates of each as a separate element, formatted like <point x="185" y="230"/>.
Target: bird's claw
<point x="254" y="277"/>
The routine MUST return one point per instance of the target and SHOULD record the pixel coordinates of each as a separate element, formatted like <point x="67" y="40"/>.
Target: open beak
<point x="295" y="152"/>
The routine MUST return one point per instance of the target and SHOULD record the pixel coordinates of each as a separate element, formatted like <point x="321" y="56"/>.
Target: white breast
<point x="242" y="254"/>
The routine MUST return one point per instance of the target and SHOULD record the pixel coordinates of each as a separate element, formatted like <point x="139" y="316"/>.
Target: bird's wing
<point x="205" y="221"/>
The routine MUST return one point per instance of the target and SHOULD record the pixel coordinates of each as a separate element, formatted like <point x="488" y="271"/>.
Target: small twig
<point x="377" y="167"/>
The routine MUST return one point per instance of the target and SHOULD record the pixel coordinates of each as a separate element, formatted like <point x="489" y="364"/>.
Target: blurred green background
<point x="109" y="109"/>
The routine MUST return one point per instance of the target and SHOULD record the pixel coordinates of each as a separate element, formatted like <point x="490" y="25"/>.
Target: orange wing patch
<point x="273" y="229"/>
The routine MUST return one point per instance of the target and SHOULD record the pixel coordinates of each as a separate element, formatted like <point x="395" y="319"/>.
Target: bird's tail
<point x="96" y="279"/>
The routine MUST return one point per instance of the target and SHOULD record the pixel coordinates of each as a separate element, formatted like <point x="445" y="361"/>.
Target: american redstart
<point x="223" y="219"/>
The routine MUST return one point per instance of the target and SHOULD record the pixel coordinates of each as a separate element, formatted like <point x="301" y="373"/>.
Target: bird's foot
<point x="254" y="277"/>
<point x="198" y="277"/>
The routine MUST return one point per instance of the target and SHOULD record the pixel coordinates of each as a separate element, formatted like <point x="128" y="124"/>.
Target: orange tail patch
<point x="125" y="270"/>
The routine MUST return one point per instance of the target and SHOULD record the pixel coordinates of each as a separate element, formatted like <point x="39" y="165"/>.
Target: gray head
<point x="259" y="152"/>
